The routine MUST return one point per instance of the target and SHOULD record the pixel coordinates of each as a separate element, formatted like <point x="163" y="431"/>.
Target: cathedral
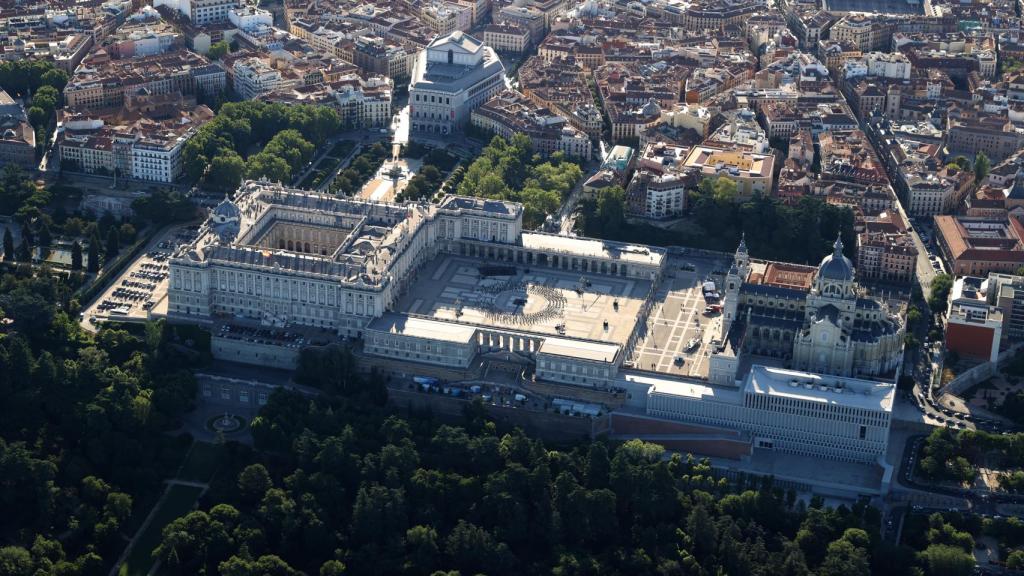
<point x="805" y="318"/>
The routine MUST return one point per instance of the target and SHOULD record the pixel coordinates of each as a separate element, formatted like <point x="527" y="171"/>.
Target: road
<point x="980" y="502"/>
<point x="325" y="184"/>
<point x="567" y="213"/>
<point x="925" y="273"/>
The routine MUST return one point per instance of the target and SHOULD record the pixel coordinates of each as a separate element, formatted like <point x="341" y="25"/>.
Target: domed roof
<point x="651" y="108"/>
<point x="835" y="266"/>
<point x="227" y="209"/>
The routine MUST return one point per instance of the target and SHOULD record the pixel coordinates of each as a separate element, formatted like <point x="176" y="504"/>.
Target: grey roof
<point x="484" y="204"/>
<point x="774" y="291"/>
<point x="453" y="78"/>
<point x="460" y="39"/>
<point x="227" y="209"/>
<point x="868" y="304"/>
<point x="835" y="266"/>
<point x="774" y="318"/>
<point x="829" y="311"/>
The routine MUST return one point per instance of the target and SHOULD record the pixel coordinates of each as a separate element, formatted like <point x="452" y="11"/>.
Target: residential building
<point x="511" y="113"/>
<point x="658" y="187"/>
<point x="977" y="246"/>
<point x="445" y="18"/>
<point x="530" y="19"/>
<point x="253" y="77"/>
<point x="970" y="132"/>
<point x="886" y="256"/>
<point x="752" y="172"/>
<point x="143" y="140"/>
<point x="201" y="12"/>
<point x="973" y="326"/>
<point x="102" y="82"/>
<point x="1006" y="291"/>
<point x="511" y="38"/>
<point x="931" y="192"/>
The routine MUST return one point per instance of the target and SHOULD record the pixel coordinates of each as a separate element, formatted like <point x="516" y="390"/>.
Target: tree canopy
<point x="509" y="170"/>
<point x="255" y="139"/>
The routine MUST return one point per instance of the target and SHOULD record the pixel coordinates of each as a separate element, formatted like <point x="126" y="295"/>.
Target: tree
<point x="93" y="265"/>
<point x="1015" y="560"/>
<point x="218" y="50"/>
<point x="15" y="561"/>
<point x="126" y="233"/>
<point x="332" y="568"/>
<point x="113" y="244"/>
<point x="254" y="481"/>
<point x="939" y="293"/>
<point x="913" y="315"/>
<point x="24" y="252"/>
<point x="37" y="116"/>
<point x="226" y="171"/>
<point x="598" y="466"/>
<point x="266" y="165"/>
<point x="8" y="245"/>
<point x="76" y="256"/>
<point x="423" y="551"/>
<point x="722" y="189"/>
<point x="982" y="166"/>
<point x="845" y="559"/>
<point x="473" y="549"/>
<point x="945" y="560"/>
<point x="45" y="237"/>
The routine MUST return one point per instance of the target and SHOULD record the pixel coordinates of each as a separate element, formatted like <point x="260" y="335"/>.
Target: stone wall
<point x="270" y="355"/>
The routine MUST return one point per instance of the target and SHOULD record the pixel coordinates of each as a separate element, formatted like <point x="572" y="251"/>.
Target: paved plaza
<point x="539" y="300"/>
<point x="677" y="317"/>
<point x="391" y="178"/>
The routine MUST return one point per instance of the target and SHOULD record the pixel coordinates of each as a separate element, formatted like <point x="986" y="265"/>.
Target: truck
<point x="712" y="309"/>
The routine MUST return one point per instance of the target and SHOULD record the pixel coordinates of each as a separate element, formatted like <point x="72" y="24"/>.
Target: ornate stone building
<point x="812" y="319"/>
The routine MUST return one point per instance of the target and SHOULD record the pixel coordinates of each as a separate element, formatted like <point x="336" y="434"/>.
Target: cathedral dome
<point x="835" y="266"/>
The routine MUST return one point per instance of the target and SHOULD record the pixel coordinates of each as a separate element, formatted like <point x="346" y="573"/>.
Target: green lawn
<point x="179" y="501"/>
<point x="200" y="463"/>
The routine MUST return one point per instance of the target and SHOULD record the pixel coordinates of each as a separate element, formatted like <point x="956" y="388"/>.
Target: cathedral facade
<point x="807" y="318"/>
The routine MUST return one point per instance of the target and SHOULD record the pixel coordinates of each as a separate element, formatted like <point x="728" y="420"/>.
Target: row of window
<point x="226" y="393"/>
<point x="447" y="99"/>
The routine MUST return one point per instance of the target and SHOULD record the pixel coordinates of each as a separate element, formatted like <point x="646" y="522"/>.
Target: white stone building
<point x="790" y="411"/>
<point x="809" y="318"/>
<point x="254" y="77"/>
<point x="452" y="76"/>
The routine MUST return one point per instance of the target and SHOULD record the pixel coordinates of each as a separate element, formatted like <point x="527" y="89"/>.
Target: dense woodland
<point x="802" y="232"/>
<point x="82" y="453"/>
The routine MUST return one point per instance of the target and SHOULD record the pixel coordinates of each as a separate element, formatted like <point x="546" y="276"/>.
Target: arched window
<point x="451" y="56"/>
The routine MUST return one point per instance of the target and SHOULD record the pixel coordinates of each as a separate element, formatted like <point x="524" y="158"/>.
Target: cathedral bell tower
<point x="733" y="279"/>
